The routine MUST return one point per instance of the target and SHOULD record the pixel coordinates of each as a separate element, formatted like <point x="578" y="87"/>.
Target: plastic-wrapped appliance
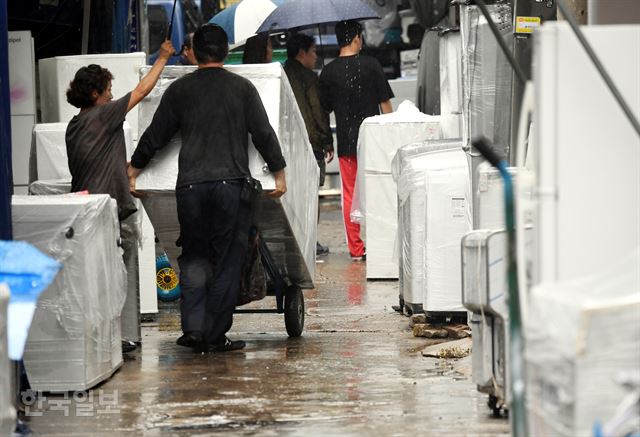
<point x="448" y="218"/>
<point x="138" y="247"/>
<point x="48" y="158"/>
<point x="582" y="343"/>
<point x="56" y="74"/>
<point x="75" y="338"/>
<point x="486" y="76"/>
<point x="288" y="225"/>
<point x="379" y="139"/>
<point x="486" y="83"/>
<point x="407" y="169"/>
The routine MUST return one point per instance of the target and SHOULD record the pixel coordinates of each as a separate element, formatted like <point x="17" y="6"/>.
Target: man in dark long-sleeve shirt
<point x="302" y="57"/>
<point x="214" y="110"/>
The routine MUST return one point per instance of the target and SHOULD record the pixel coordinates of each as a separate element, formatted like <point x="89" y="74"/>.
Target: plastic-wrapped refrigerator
<point x="75" y="340"/>
<point x="486" y="83"/>
<point x="56" y="73"/>
<point x="447" y="219"/>
<point x="408" y="169"/>
<point x="379" y="139"/>
<point x="48" y="159"/>
<point x="288" y="225"/>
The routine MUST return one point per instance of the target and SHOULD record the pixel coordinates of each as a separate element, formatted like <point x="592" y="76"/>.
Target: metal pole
<point x="6" y="175"/>
<point x="596" y="62"/>
<point x="86" y="23"/>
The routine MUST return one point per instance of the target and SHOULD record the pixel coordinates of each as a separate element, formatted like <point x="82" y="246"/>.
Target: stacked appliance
<point x="23" y="105"/>
<point x="408" y="171"/>
<point x="486" y="83"/>
<point x="485" y="289"/>
<point x="56" y="73"/>
<point x="586" y="235"/>
<point x="52" y="176"/>
<point x="49" y="152"/>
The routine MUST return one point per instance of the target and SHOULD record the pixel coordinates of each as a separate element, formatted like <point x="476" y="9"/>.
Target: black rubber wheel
<point x="294" y="311"/>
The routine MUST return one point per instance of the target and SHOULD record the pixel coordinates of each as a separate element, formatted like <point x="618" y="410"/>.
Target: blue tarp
<point x="27" y="272"/>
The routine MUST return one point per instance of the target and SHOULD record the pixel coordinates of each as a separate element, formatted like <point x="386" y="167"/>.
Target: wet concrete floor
<point x="357" y="370"/>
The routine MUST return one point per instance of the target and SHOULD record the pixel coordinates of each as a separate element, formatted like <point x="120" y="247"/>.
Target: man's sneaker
<point x="321" y="250"/>
<point x="359" y="258"/>
<point x="227" y="346"/>
<point x="189" y="340"/>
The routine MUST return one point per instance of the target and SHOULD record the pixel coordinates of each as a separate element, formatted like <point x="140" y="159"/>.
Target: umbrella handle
<point x="173" y="14"/>
<point x="321" y="48"/>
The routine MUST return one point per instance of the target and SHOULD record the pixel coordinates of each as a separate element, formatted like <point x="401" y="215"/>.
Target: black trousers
<point x="214" y="234"/>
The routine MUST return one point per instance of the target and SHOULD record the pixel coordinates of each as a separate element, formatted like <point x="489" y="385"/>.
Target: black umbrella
<point x="296" y="14"/>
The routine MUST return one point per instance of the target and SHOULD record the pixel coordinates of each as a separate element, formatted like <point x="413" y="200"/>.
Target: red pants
<point x="348" y="172"/>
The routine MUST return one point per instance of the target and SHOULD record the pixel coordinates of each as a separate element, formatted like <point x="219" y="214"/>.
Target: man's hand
<point x="386" y="107"/>
<point x="166" y="50"/>
<point x="328" y="155"/>
<point x="281" y="185"/>
<point x="132" y="174"/>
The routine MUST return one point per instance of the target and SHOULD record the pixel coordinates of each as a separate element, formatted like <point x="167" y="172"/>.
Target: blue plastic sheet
<point x="27" y="272"/>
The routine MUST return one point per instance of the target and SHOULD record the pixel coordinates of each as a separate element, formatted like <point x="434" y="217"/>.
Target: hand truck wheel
<point x="294" y="311"/>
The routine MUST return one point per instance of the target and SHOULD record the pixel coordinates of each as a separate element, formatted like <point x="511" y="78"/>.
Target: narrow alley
<point x="357" y="370"/>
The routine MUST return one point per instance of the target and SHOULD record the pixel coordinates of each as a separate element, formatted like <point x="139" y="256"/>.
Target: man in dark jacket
<point x="215" y="111"/>
<point x="301" y="53"/>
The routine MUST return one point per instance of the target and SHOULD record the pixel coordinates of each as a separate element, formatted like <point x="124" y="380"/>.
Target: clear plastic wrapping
<point x="486" y="76"/>
<point x="379" y="139"/>
<point x="581" y="337"/>
<point x="49" y="187"/>
<point x="131" y="233"/>
<point x="56" y="73"/>
<point x="48" y="158"/>
<point x="288" y="225"/>
<point x="74" y="341"/>
<point x="408" y="171"/>
<point x="448" y="218"/>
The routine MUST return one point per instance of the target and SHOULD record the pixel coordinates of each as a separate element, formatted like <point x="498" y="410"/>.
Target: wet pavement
<point x="357" y="370"/>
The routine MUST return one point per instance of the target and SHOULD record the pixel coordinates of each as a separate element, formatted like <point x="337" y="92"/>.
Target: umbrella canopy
<point x="305" y="13"/>
<point x="241" y="21"/>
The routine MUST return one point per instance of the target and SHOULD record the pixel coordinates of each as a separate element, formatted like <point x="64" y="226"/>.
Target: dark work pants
<point x="214" y="229"/>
